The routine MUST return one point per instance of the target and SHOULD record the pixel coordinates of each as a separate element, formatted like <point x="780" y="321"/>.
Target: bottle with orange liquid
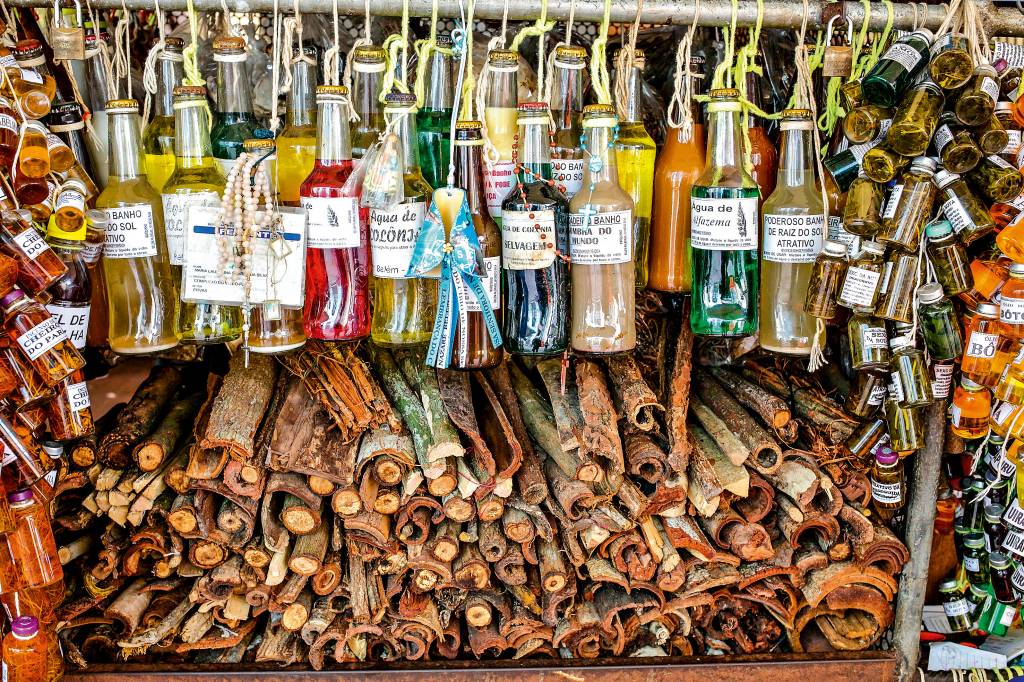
<point x="764" y="157"/>
<point x="33" y="90"/>
<point x="970" y="410"/>
<point x="25" y="651"/>
<point x="983" y="346"/>
<point x="32" y="545"/>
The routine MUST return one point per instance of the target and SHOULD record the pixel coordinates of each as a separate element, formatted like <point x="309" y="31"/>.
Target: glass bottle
<point x="896" y="299"/>
<point x="864" y="123"/>
<point x="404" y="307"/>
<point x="955" y="606"/>
<point x="535" y="244"/>
<point x="992" y="522"/>
<point x="196" y="182"/>
<point x="825" y="278"/>
<point x="61" y="156"/>
<point x="337" y="231"/>
<point x="233" y="121"/>
<point x="897" y="68"/>
<point x="906" y="427"/>
<point x="993" y="138"/>
<point x="69" y="206"/>
<point x="723" y="229"/>
<point x="1000" y="571"/>
<point x="25" y="651"/>
<point x="500" y="113"/>
<point x="915" y="119"/>
<point x="8" y="132"/>
<point x="296" y="145"/>
<point x="996" y="179"/>
<point x="70" y="296"/>
<point x="965" y="213"/>
<point x="794" y="233"/>
<point x="367" y="78"/>
<point x="862" y="215"/>
<point x="868" y="392"/>
<point x="96" y="98"/>
<point x="1004" y="114"/>
<point x="989" y="273"/>
<point x="955" y="145"/>
<point x="635" y="152"/>
<point x="977" y="101"/>
<point x="909" y="206"/>
<point x="434" y="119"/>
<point x="949" y="259"/>
<point x="473" y="348"/>
<point x="764" y="158"/>
<point x="32" y="545"/>
<point x="975" y="559"/>
<point x="970" y="410"/>
<point x="882" y="164"/>
<point x="67" y="123"/>
<point x="34" y="156"/>
<point x="1011" y="304"/>
<point x="38" y="265"/>
<point x="910" y="373"/>
<point x="142" y="295"/>
<point x="863" y="279"/>
<point x="869" y="342"/>
<point x="601" y="242"/>
<point x="40" y="337"/>
<point x="158" y="136"/>
<point x="30" y="79"/>
<point x="951" y="64"/>
<point x="68" y="412"/>
<point x="983" y="344"/>
<point x="939" y="324"/>
<point x="568" y="86"/>
<point x="887" y="485"/>
<point x="864" y="439"/>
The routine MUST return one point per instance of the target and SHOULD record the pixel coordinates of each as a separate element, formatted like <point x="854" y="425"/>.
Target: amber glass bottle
<point x="764" y="158"/>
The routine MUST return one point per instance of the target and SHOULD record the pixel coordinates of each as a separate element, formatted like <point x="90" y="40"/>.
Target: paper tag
<point x="69" y="198"/>
<point x="332" y="223"/>
<point x="7" y="122"/>
<point x="876" y="337"/>
<point x="130" y="232"/>
<point x="951" y="656"/>
<point x="793" y="238"/>
<point x="878" y="394"/>
<point x="972" y="564"/>
<point x="896" y="387"/>
<point x="74" y="319"/>
<point x="31" y="76"/>
<point x="1001" y="413"/>
<point x="1014" y="542"/>
<point x="30" y="243"/>
<point x="568" y="174"/>
<point x="1012" y="143"/>
<point x="956" y="214"/>
<point x="942" y="380"/>
<point x="521" y="245"/>
<point x="904" y="55"/>
<point x="960" y="607"/>
<point x="837" y="233"/>
<point x="78" y="396"/>
<point x="176" y="214"/>
<point x="499" y="179"/>
<point x="491" y="281"/>
<point x="1000" y="161"/>
<point x="393" y="235"/>
<point x="602" y="238"/>
<point x="1005" y="467"/>
<point x="1013" y="54"/>
<point x="1011" y="310"/>
<point x="1009" y="613"/>
<point x="860" y="287"/>
<point x="1014" y="516"/>
<point x="723" y="224"/>
<point x="982" y="345"/>
<point x="886" y="493"/>
<point x="891" y="204"/>
<point x="990" y="87"/>
<point x="41" y="338"/>
<point x="943" y="136"/>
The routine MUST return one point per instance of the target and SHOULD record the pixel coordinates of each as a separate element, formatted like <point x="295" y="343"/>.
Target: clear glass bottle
<point x="142" y="295"/>
<point x="983" y="345"/>
<point x="30" y="81"/>
<point x="158" y="135"/>
<point x="948" y="258"/>
<point x="955" y="606"/>
<point x="568" y="87"/>
<point x="233" y="121"/>
<point x="863" y="440"/>
<point x="970" y="410"/>
<point x="896" y="299"/>
<point x="868" y="392"/>
<point x="939" y="323"/>
<point x="906" y="427"/>
<point x="25" y="650"/>
<point x="955" y="145"/>
<point x="977" y="101"/>
<point x="38" y="266"/>
<point x="723" y="229"/>
<point x="764" y="158"/>
<point x="32" y="545"/>
<point x="500" y="114"/>
<point x="434" y="119"/>
<point x="70" y="296"/>
<point x="882" y="164"/>
<point x="996" y="179"/>
<point x="909" y="373"/>
<point x="993" y="138"/>
<point x="66" y="122"/>
<point x="368" y="66"/>
<point x="96" y="97"/>
<point x="40" y="337"/>
<point x="915" y="119"/>
<point x="869" y="342"/>
<point x="864" y="123"/>
<point x="826" y="276"/>
<point x="601" y="242"/>
<point x="862" y="282"/>
<point x="950" y="64"/>
<point x="1004" y="114"/>
<point x="862" y="214"/>
<point x="888" y="487"/>
<point x="909" y="206"/>
<point x="965" y="213"/>
<point x="975" y="559"/>
<point x="68" y="412"/>
<point x="296" y="145"/>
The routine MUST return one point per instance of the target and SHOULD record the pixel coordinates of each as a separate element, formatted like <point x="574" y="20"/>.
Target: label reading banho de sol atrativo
<point x="499" y="179"/>
<point x="74" y="319"/>
<point x="793" y="238"/>
<point x="130" y="232"/>
<point x="41" y="338"/>
<point x="723" y="224"/>
<point x="393" y="235"/>
<point x="604" y="238"/>
<point x="528" y="239"/>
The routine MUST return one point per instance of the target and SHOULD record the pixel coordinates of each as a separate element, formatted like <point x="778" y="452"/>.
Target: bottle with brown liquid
<point x="764" y="158"/>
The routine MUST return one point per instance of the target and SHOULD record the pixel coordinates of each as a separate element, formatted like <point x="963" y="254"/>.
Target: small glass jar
<point x="1011" y="304"/>
<point x="40" y="337"/>
<point x="909" y="206"/>
<point x="993" y="138"/>
<point x="869" y="342"/>
<point x="863" y="279"/>
<point x="955" y="145"/>
<point x="896" y="301"/>
<point x="965" y="213"/>
<point x="1006" y="420"/>
<point x="888" y="494"/>
<point x="910" y="379"/>
<point x="865" y="123"/>
<point x="826" y="276"/>
<point x="861" y="442"/>
<point x="38" y="266"/>
<point x="970" y="410"/>
<point x="915" y="119"/>
<point x="881" y="163"/>
<point x="69" y="411"/>
<point x="906" y="428"/>
<point x="996" y="179"/>
<point x="975" y="559"/>
<point x="939" y="324"/>
<point x="976" y="102"/>
<point x="1004" y="114"/>
<point x="995" y="527"/>
<point x="31" y="390"/>
<point x="983" y="345"/>
<point x="862" y="213"/>
<point x="867" y="394"/>
<point x="956" y="607"/>
<point x="950" y="64"/>
<point x="949" y="259"/>
<point x="989" y="275"/>
<point x="1000" y="574"/>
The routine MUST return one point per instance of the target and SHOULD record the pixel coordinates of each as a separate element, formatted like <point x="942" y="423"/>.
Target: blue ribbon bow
<point x="461" y="262"/>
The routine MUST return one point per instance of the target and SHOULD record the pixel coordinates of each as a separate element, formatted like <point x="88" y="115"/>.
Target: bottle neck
<point x="566" y="97"/>
<point x="534" y="152"/>
<point x="796" y="162"/>
<point x="753" y="95"/>
<point x="469" y="175"/>
<point x="503" y="89"/>
<point x="191" y="137"/>
<point x="634" y="96"/>
<point x="725" y="139"/>
<point x="598" y="140"/>
<point x="233" y="95"/>
<point x="365" y="89"/>
<point x="125" y="161"/>
<point x="439" y="94"/>
<point x="301" y="102"/>
<point x="171" y="74"/>
<point x="405" y="128"/>
<point x="332" y="140"/>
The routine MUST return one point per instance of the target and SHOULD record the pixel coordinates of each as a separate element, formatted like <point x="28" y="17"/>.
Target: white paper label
<point x="1000" y="161"/>
<point x="943" y="136"/>
<point x="499" y="179"/>
<point x="904" y="55"/>
<point x="130" y="232"/>
<point x="74" y="319"/>
<point x="1020" y="158"/>
<point x="893" y="202"/>
<point x="492" y="285"/>
<point x="568" y="175"/>
<point x="1001" y="413"/>
<point x="886" y="493"/>
<point x="30" y="243"/>
<point x="990" y="87"/>
<point x="31" y="76"/>
<point x="896" y="387"/>
<point x="1011" y="310"/>
<point x="972" y="564"/>
<point x="1012" y="143"/>
<point x="332" y="223"/>
<point x="793" y="238"/>
<point x="878" y="394"/>
<point x="1009" y="613"/>
<point x="393" y="235"/>
<point x="521" y="245"/>
<point x="41" y="338"/>
<point x="956" y="214"/>
<point x="723" y="224"/>
<point x="1014" y="542"/>
<point x="942" y="380"/>
<point x="69" y="198"/>
<point x="1013" y="54"/>
<point x="7" y="122"/>
<point x="859" y="287"/>
<point x="876" y="337"/>
<point x="1005" y="467"/>
<point x="960" y="607"/>
<point x="982" y="345"/>
<point x="1014" y="516"/>
<point x="601" y="238"/>
<point x="176" y="214"/>
<point x="838" y="233"/>
<point x="78" y="395"/>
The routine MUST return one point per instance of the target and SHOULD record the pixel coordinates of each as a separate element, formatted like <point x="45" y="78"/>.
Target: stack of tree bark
<point x="349" y="505"/>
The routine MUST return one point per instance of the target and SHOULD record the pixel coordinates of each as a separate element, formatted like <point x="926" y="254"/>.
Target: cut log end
<point x="442" y="485"/>
<point x="183" y="520"/>
<point x="554" y="582"/>
<point x="479" y="614"/>
<point x="346" y="502"/>
<point x="150" y="456"/>
<point x="387" y="471"/>
<point x="321" y="486"/>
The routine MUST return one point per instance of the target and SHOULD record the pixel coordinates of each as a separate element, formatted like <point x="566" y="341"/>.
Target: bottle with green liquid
<point x="158" y="137"/>
<point x="723" y="229"/>
<point x="434" y="119"/>
<point x="234" y="122"/>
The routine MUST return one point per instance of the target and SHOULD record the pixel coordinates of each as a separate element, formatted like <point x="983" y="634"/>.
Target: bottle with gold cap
<point x="368" y="65"/>
<point x="635" y="151"/>
<point x="568" y="85"/>
<point x="233" y="122"/>
<point x="296" y="145"/>
<point x="196" y="182"/>
<point x="30" y="80"/>
<point x="71" y="295"/>
<point x="158" y="136"/>
<point x="141" y="292"/>
<point x="724" y="229"/>
<point x="500" y="127"/>
<point x="434" y="119"/>
<point x="601" y="246"/>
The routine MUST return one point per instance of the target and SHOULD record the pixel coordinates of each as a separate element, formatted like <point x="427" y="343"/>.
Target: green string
<point x="423" y="49"/>
<point x="599" y="59"/>
<point x="392" y="44"/>
<point x="537" y="29"/>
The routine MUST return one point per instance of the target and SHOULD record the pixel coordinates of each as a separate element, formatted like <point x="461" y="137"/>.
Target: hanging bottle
<point x="881" y="163"/>
<point x="434" y="119"/>
<point x="367" y="78"/>
<point x="948" y="258"/>
<point x="826" y="276"/>
<point x="8" y="132"/>
<point x="96" y="96"/>
<point x="896" y="299"/>
<point x="31" y="80"/>
<point x="764" y="158"/>
<point x="862" y="214"/>
<point x="32" y="545"/>
<point x="67" y="124"/>
<point x="977" y="101"/>
<point x="950" y="64"/>
<point x="915" y="119"/>
<point x="68" y="412"/>
<point x="864" y="123"/>
<point x="993" y="138"/>
<point x="635" y="151"/>
<point x="40" y="337"/>
<point x="29" y="182"/>
<point x="70" y="296"/>
<point x="158" y="136"/>
<point x="897" y="68"/>
<point x="1011" y="304"/>
<point x="233" y="121"/>
<point x="906" y="428"/>
<point x="869" y="342"/>
<point x="911" y="383"/>
<point x="404" y="307"/>
<point x="1004" y="114"/>
<point x="141" y="292"/>
<point x="983" y="345"/>
<point x="568" y="84"/>
<point x="909" y="206"/>
<point x="939" y="324"/>
<point x="868" y="392"/>
<point x="996" y="179"/>
<point x="863" y="279"/>
<point x="887" y="485"/>
<point x="601" y="245"/>
<point x="723" y="229"/>
<point x="500" y="102"/>
<point x="794" y="233"/>
<point x="965" y="213"/>
<point x="195" y="183"/>
<point x="296" y="145"/>
<point x="535" y="242"/>
<point x="338" y="247"/>
<point x="969" y="412"/>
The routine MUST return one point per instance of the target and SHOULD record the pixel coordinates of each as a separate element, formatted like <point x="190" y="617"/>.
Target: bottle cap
<point x="970" y="385"/>
<point x="924" y="164"/>
<point x="886" y="457"/>
<point x="949" y="585"/>
<point x="974" y="540"/>
<point x="987" y="309"/>
<point x="939" y="229"/>
<point x="834" y="248"/>
<point x="310" y="50"/>
<point x="174" y="44"/>
<point x="255" y="144"/>
<point x="97" y="219"/>
<point x="1000" y="65"/>
<point x="930" y="293"/>
<point x="503" y="59"/>
<point x="639" y="58"/>
<point x="926" y="34"/>
<point x="28" y="51"/>
<point x="229" y="44"/>
<point x="944" y="178"/>
<point x="570" y="55"/>
<point x="725" y="93"/>
<point x="532" y="112"/>
<point x="1004" y="107"/>
<point x="599" y="115"/>
<point x="994" y="513"/>
<point x="468" y="131"/>
<point x="985" y="70"/>
<point x="25" y="495"/>
<point x="17" y="215"/>
<point x="122" y="106"/>
<point x="995" y="438"/>
<point x="189" y="92"/>
<point x="871" y="246"/>
<point x="1017" y="269"/>
<point x="52" y="448"/>
<point x="331" y="93"/>
<point x="998" y="560"/>
<point x="64" y="113"/>
<point x="11" y="298"/>
<point x="24" y="626"/>
<point x="400" y="100"/>
<point x="443" y="40"/>
<point x="368" y="58"/>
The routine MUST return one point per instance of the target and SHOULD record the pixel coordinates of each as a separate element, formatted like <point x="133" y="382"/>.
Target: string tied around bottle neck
<point x="536" y="30"/>
<point x="680" y="107"/>
<point x="424" y="49"/>
<point x="624" y="63"/>
<point x="599" y="79"/>
<point x="122" y="49"/>
<point x="365" y="39"/>
<point x="149" y="79"/>
<point x="392" y="45"/>
<point x="468" y="78"/>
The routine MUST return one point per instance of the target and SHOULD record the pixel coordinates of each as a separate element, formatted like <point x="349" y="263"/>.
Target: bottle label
<point x="876" y="337"/>
<point x="886" y="493"/>
<point x="1014" y="514"/>
<point x="1020" y="157"/>
<point x="943" y="136"/>
<point x="878" y="394"/>
<point x="1012" y="53"/>
<point x="954" y="414"/>
<point x="69" y="198"/>
<point x="393" y="235"/>
<point x="7" y="122"/>
<point x="942" y="380"/>
<point x="859" y="287"/>
<point x="896" y="387"/>
<point x="1005" y="467"/>
<point x="604" y="238"/>
<point x="521" y="245"/>
<point x="78" y="396"/>
<point x="960" y="607"/>
<point x="332" y="223"/>
<point x="1014" y="541"/>
<point x="1012" y="143"/>
<point x="1000" y="161"/>
<point x="982" y="345"/>
<point x="568" y="175"/>
<point x="990" y="87"/>
<point x="1002" y="413"/>
<point x="956" y="214"/>
<point x="30" y="243"/>
<point x="893" y="202"/>
<point x="1011" y="310"/>
<point x="74" y="319"/>
<point x="838" y="233"/>
<point x="53" y="142"/>
<point x="1009" y="613"/>
<point x="904" y="55"/>
<point x="41" y="338"/>
<point x="91" y="252"/>
<point x="886" y="276"/>
<point x="723" y="224"/>
<point x="491" y="280"/>
<point x="176" y="219"/>
<point x="859" y="150"/>
<point x="130" y="232"/>
<point x="499" y="178"/>
<point x="1018" y="577"/>
<point x="31" y="76"/>
<point x="972" y="564"/>
<point x="793" y="238"/>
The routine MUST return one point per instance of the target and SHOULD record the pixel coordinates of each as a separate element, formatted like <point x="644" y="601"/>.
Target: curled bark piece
<point x="638" y="403"/>
<point x="446" y="442"/>
<point x="679" y="443"/>
<point x="236" y="414"/>
<point x="765" y="454"/>
<point x="530" y="475"/>
<point x="600" y="436"/>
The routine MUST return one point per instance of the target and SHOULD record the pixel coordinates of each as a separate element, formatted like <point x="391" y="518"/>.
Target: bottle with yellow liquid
<point x="367" y="76"/>
<point x="634" y="154"/>
<point x="296" y="145"/>
<point x="500" y="118"/>
<point x="158" y="137"/>
<point x="141" y="292"/>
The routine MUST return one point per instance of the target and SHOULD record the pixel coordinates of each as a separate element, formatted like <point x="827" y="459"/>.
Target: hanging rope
<point x="275" y="66"/>
<point x="537" y="30"/>
<point x="364" y="40"/>
<point x="331" y="54"/>
<point x="394" y="43"/>
<point x="624" y="62"/>
<point x="468" y="79"/>
<point x="460" y="37"/>
<point x="122" y="48"/>
<point x="424" y="50"/>
<point x="680" y="107"/>
<point x="551" y="55"/>
<point x="149" y="80"/>
<point x="191" y="63"/>
<point x="599" y="59"/>
<point x="482" y="85"/>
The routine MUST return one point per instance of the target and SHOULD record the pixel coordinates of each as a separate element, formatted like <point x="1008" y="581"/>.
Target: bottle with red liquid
<point x="38" y="265"/>
<point x="25" y="651"/>
<point x="338" y="254"/>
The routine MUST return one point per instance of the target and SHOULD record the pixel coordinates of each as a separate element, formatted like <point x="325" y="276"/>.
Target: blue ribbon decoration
<point x="461" y="262"/>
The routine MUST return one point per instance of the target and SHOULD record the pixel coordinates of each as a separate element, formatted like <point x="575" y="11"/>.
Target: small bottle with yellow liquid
<point x="500" y="122"/>
<point x="158" y="137"/>
<point x="296" y="145"/>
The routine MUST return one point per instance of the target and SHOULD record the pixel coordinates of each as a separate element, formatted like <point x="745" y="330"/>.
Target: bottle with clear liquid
<point x="96" y="97"/>
<point x="403" y="307"/>
<point x="338" y="238"/>
<point x="794" y="233"/>
<point x="601" y="246"/>
<point x="142" y="295"/>
<point x="296" y="145"/>
<point x="535" y="243"/>
<point x="233" y="122"/>
<point x="368" y="65"/>
<point x="635" y="151"/>
<point x="568" y="85"/>
<point x="723" y="229"/>
<point x="500" y="114"/>
<point x="434" y="119"/>
<point x="158" y="136"/>
<point x="196" y="182"/>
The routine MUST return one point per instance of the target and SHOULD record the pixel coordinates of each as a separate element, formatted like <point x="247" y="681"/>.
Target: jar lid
<point x="97" y="218"/>
<point x="65" y="112"/>
<point x="598" y="115"/>
<point x="9" y="299"/>
<point x="943" y="177"/>
<point x="871" y="246"/>
<point x="939" y="229"/>
<point x="531" y="111"/>
<point x="572" y="54"/>
<point x="368" y="54"/>
<point x="834" y="248"/>
<point x="174" y="44"/>
<point x="331" y="93"/>
<point x="53" y="448"/>
<point x="971" y="386"/>
<point x="998" y="560"/>
<point x="987" y="309"/>
<point x="27" y="49"/>
<point x="24" y="626"/>
<point x="994" y="512"/>
<point x="725" y="93"/>
<point x="931" y="293"/>
<point x="925" y="164"/>
<point x="974" y="540"/>
<point x="1017" y="269"/>
<point x="886" y="457"/>
<point x="950" y="585"/>
<point x="926" y="34"/>
<point x="985" y="70"/>
<point x="503" y="58"/>
<point x="24" y="495"/>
